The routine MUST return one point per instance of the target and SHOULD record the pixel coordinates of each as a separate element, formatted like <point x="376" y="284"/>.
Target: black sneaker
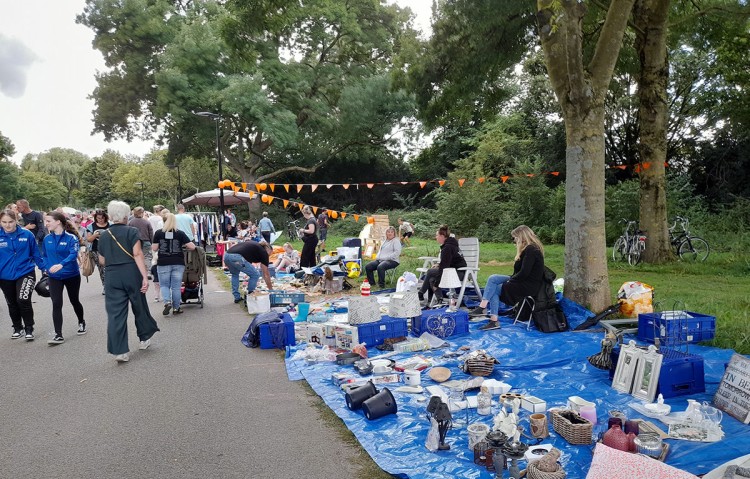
<point x="17" y="335"/>
<point x="478" y="311"/>
<point x="490" y="325"/>
<point x="29" y="336"/>
<point x="421" y="296"/>
<point x="237" y="300"/>
<point x="81" y="328"/>
<point x="167" y="309"/>
<point x="56" y="340"/>
<point x="177" y="311"/>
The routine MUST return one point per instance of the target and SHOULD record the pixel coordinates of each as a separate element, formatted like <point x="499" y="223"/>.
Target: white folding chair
<point x="470" y="249"/>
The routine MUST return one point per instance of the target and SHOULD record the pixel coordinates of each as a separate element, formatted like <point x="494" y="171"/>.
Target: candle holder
<point x="513" y="450"/>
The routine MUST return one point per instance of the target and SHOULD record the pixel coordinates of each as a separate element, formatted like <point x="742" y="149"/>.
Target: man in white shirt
<point x="185" y="223"/>
<point x="156" y="220"/>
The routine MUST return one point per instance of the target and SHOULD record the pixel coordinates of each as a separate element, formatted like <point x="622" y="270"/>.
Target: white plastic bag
<point x="258" y="303"/>
<point x="407" y="282"/>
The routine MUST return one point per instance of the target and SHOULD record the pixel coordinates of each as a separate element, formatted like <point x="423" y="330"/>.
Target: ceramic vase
<point x="616" y="439"/>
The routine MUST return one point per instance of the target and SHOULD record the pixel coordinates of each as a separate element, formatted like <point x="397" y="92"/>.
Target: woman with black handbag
<point x="527" y="278"/>
<point x="61" y="248"/>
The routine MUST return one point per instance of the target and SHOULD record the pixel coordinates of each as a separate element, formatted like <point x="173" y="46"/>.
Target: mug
<point x="380" y="369"/>
<point x="539" y="426"/>
<point x="412" y="377"/>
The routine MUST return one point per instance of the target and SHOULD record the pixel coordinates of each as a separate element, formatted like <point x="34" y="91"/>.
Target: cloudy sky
<point x="47" y="68"/>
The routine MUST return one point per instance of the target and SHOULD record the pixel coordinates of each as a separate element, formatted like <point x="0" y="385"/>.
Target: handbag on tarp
<point x="363" y="310"/>
<point x="550" y="320"/>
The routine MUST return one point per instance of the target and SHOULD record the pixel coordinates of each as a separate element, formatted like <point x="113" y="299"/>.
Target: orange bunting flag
<point x="328" y="213"/>
<point x="461" y="182"/>
<point x="329" y="186"/>
<point x="646" y="165"/>
<point x="422" y="183"/>
<point x="343" y="215"/>
<point x="286" y="203"/>
<point x="530" y="175"/>
<point x="356" y="218"/>
<point x="244" y="186"/>
<point x="314" y="187"/>
<point x="272" y="186"/>
<point x="504" y="178"/>
<point x="263" y="187"/>
<point x="263" y="198"/>
<point x="441" y="182"/>
<point x="622" y="167"/>
<point x="555" y="173"/>
<point x="286" y="187"/>
<point x="257" y="187"/>
<point x="315" y="210"/>
<point x="370" y="220"/>
<point x="334" y="214"/>
<point x="300" y="205"/>
<point x="666" y="165"/>
<point x="637" y="168"/>
<point x="252" y="194"/>
<point x="346" y="186"/>
<point x="299" y="188"/>
<point x="370" y="185"/>
<point x="235" y="188"/>
<point x="481" y="180"/>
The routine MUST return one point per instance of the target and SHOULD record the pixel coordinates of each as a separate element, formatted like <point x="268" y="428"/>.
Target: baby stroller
<point x="194" y="277"/>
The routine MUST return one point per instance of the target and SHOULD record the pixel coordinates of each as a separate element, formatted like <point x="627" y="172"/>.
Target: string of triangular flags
<point x="260" y="188"/>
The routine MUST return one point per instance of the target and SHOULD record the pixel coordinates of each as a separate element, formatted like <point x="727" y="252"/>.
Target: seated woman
<point x="287" y="262"/>
<point x="387" y="258"/>
<point x="242" y="230"/>
<point x="450" y="257"/>
<point x="527" y="279"/>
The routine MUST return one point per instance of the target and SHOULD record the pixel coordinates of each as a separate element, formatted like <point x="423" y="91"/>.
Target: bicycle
<point x="630" y="245"/>
<point x="292" y="230"/>
<point x="685" y="245"/>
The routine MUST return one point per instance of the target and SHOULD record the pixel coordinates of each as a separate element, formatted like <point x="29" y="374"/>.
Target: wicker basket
<point x="480" y="366"/>
<point x="575" y="433"/>
<point x="532" y="472"/>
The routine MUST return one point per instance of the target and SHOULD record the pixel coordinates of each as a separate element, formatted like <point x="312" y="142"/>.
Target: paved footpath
<point x="196" y="404"/>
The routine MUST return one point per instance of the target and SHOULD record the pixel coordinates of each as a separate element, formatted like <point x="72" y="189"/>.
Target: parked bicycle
<point x="630" y="245"/>
<point x="292" y="230"/>
<point x="685" y="245"/>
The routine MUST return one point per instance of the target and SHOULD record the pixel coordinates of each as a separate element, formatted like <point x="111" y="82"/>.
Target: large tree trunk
<point x="651" y="43"/>
<point x="580" y="90"/>
<point x="586" y="275"/>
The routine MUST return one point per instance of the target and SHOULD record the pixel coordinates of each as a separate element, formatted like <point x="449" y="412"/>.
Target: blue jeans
<point x="236" y="264"/>
<point x="492" y="292"/>
<point x="170" y="282"/>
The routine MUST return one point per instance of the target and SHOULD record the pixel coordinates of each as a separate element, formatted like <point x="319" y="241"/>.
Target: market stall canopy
<point x="211" y="198"/>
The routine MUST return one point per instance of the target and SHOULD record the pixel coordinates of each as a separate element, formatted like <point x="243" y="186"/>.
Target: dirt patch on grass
<point x="497" y="263"/>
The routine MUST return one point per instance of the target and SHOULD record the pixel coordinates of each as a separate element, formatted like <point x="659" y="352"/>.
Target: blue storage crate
<point x="277" y="335"/>
<point x="674" y="329"/>
<point x="283" y="299"/>
<point x="681" y="373"/>
<point x="441" y="323"/>
<point x="373" y="334"/>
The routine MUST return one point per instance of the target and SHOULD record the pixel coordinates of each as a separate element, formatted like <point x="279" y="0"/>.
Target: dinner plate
<point x="388" y="363"/>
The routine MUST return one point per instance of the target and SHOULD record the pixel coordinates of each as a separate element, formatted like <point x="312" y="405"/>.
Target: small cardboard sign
<point x="733" y="394"/>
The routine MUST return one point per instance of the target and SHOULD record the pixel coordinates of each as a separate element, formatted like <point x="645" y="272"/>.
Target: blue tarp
<point x="549" y="366"/>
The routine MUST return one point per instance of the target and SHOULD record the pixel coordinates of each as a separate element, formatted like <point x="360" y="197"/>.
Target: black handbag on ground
<point x="550" y="320"/>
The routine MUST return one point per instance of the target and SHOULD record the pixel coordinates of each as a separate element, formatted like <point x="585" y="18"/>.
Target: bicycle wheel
<point x="619" y="249"/>
<point x="291" y="233"/>
<point x="693" y="249"/>
<point x="635" y="253"/>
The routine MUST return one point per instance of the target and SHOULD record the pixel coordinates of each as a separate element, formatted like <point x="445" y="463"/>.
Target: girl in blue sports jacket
<point x="61" y="247"/>
<point x="18" y="256"/>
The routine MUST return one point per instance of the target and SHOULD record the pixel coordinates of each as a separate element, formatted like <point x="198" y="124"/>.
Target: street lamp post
<point x="216" y="118"/>
<point x="140" y="183"/>
<point x="179" y="182"/>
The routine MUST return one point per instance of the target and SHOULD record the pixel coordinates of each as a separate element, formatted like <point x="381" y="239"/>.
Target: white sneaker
<point x="122" y="358"/>
<point x="145" y="344"/>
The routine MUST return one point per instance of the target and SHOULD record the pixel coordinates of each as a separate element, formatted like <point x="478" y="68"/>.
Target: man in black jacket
<point x="450" y="257"/>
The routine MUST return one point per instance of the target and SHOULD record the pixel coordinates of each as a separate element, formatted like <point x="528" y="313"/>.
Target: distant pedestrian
<point x="266" y="227"/>
<point x="323" y="228"/>
<point x="145" y="233"/>
<point x="170" y="266"/>
<point x="406" y="231"/>
<point x="126" y="283"/>
<point x="61" y="248"/>
<point x="93" y="232"/>
<point x="32" y="220"/>
<point x="19" y="254"/>
<point x="185" y="223"/>
<point x="156" y="220"/>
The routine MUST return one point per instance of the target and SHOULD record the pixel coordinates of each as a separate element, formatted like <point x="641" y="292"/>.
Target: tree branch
<point x="610" y="40"/>
<point x="631" y="24"/>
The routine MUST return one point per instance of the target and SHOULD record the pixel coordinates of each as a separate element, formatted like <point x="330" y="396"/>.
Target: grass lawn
<point x="719" y="287"/>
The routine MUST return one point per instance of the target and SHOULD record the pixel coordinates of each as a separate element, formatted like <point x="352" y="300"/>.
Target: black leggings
<point x="307" y="258"/>
<point x="18" y="296"/>
<point x="73" y="285"/>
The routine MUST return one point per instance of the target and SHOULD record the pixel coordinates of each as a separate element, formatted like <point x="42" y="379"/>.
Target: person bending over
<point x="240" y="258"/>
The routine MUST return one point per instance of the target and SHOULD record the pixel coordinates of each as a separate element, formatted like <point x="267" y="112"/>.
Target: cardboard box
<point x="533" y="404"/>
<point x="346" y="336"/>
<point x="315" y="334"/>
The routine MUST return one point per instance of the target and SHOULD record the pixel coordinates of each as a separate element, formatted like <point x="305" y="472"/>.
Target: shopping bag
<point x="258" y="303"/>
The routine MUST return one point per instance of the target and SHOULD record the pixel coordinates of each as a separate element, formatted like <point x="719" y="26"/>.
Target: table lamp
<point x="449" y="280"/>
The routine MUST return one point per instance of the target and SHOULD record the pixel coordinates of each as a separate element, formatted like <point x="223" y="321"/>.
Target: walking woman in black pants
<point x="61" y="262"/>
<point x="19" y="254"/>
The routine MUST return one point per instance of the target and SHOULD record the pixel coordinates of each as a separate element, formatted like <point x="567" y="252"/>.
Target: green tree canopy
<point x="64" y="164"/>
<point x="7" y="149"/>
<point x="44" y="191"/>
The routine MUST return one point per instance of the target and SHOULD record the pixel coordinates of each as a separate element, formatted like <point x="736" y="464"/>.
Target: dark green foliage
<point x="9" y="189"/>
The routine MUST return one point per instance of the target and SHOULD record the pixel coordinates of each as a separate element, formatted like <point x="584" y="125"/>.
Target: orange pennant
<point x="263" y="187"/>
<point x="328" y="213"/>
<point x="270" y="199"/>
<point x="481" y="180"/>
<point x="370" y="185"/>
<point x="370" y="220"/>
<point x="244" y="186"/>
<point x="637" y="168"/>
<point x="286" y="187"/>
<point x="257" y="187"/>
<point x="286" y="203"/>
<point x="343" y="215"/>
<point x="300" y="206"/>
<point x="422" y="183"/>
<point x="461" y="182"/>
<point x="315" y="210"/>
<point x="299" y="188"/>
<point x="346" y="186"/>
<point x="314" y="187"/>
<point x="252" y="194"/>
<point x="555" y="173"/>
<point x="666" y="165"/>
<point x="272" y="186"/>
<point x="622" y="167"/>
<point x="334" y="214"/>
<point x="441" y="182"/>
<point x="356" y="218"/>
<point x="646" y="165"/>
<point x="504" y="178"/>
<point x="530" y="175"/>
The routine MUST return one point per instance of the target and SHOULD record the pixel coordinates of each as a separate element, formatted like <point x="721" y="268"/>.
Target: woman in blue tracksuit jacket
<point x="18" y="256"/>
<point x="61" y="262"/>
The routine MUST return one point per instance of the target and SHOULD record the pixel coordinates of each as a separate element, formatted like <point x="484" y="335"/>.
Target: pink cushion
<point x="610" y="463"/>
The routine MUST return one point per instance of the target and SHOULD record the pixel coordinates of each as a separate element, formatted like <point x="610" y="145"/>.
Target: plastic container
<point x="365" y="288"/>
<point x="277" y="335"/>
<point x="441" y="323"/>
<point x="676" y="327"/>
<point x="283" y="299"/>
<point x="681" y="373"/>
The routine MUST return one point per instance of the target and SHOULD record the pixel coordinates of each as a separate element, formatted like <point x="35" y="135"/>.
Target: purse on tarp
<point x="550" y="320"/>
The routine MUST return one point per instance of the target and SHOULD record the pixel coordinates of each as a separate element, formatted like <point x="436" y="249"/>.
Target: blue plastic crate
<point x="283" y="299"/>
<point x="373" y="334"/>
<point x="674" y="329"/>
<point x="681" y="373"/>
<point x="277" y="335"/>
<point x="441" y="323"/>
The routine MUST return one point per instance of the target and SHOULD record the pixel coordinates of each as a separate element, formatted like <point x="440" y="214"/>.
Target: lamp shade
<point x="449" y="279"/>
<point x="404" y="304"/>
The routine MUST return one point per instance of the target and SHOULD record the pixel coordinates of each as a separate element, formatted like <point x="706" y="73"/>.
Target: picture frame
<point x="626" y="367"/>
<point x="647" y="373"/>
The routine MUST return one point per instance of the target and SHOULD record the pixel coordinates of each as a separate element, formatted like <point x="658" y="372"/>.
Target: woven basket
<point x="480" y="366"/>
<point x="532" y="472"/>
<point x="573" y="433"/>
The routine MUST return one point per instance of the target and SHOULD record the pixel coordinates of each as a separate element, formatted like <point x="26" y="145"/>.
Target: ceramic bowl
<point x="439" y="374"/>
<point x="658" y="409"/>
